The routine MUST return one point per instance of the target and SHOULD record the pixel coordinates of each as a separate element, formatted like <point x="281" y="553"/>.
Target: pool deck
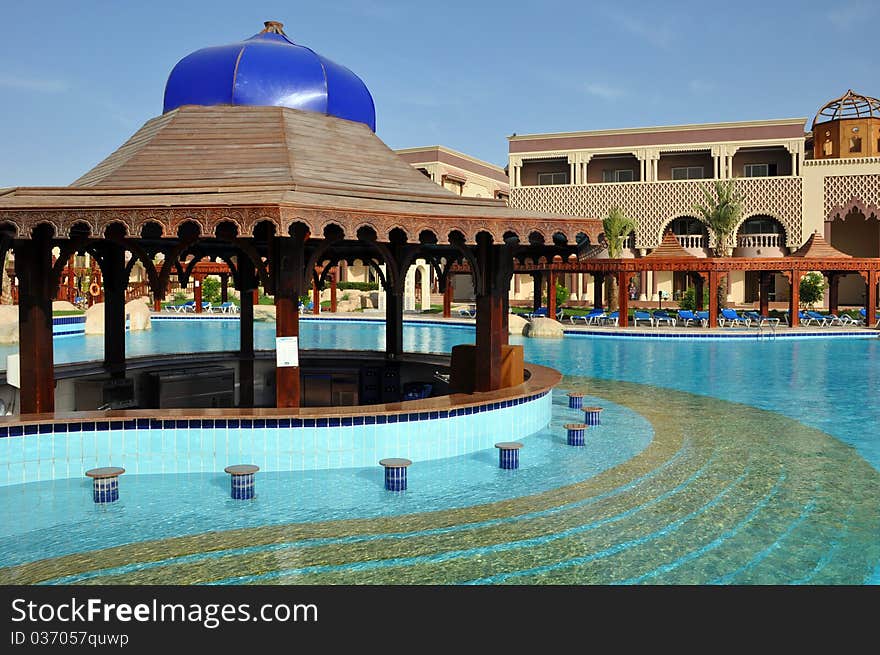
<point x="693" y="332"/>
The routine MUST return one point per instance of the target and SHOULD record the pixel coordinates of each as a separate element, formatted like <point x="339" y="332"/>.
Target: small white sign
<point x="286" y="351"/>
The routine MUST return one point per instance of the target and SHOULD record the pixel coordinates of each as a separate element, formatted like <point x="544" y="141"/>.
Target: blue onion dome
<point x="269" y="69"/>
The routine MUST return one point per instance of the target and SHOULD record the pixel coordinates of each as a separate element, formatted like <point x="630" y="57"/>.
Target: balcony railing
<point x="759" y="241"/>
<point x="653" y="205"/>
<point x="692" y="240"/>
<point x="627" y="242"/>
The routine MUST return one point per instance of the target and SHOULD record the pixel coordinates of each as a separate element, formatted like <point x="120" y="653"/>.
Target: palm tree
<point x="616" y="227"/>
<point x="721" y="213"/>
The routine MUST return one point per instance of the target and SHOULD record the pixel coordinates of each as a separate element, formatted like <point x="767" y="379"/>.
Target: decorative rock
<point x="264" y="313"/>
<point x="575" y="436"/>
<point x="516" y="324"/>
<point x="544" y="327"/>
<point x="138" y="315"/>
<point x="591" y="415"/>
<point x="95" y="319"/>
<point x="395" y="473"/>
<point x="63" y="306"/>
<point x="105" y="483"/>
<point x="508" y="454"/>
<point x="575" y="400"/>
<point x="243" y="486"/>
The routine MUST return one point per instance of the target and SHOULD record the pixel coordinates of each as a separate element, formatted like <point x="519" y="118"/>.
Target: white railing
<point x="759" y="241"/>
<point x="692" y="241"/>
<point x="627" y="242"/>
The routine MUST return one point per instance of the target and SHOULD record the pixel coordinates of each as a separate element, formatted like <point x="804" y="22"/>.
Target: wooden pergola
<point x="815" y="255"/>
<point x="279" y="196"/>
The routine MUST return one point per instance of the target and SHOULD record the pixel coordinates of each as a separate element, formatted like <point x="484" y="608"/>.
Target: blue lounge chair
<point x="541" y="312"/>
<point x="864" y="314"/>
<point x="207" y="307"/>
<point x="642" y="316"/>
<point x="610" y="319"/>
<point x="227" y="307"/>
<point x="730" y="316"/>
<point x="589" y="318"/>
<point x="703" y="317"/>
<point x="687" y="316"/>
<point x="188" y="306"/>
<point x="559" y="314"/>
<point x="817" y="318"/>
<point x="467" y="312"/>
<point x="660" y="316"/>
<point x="759" y="321"/>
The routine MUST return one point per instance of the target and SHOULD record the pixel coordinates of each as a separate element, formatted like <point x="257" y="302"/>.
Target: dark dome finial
<point x="273" y="27"/>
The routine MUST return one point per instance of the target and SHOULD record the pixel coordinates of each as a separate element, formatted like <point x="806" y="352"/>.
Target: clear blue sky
<point x="78" y="78"/>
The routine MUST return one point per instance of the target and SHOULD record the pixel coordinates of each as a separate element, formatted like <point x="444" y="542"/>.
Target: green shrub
<point x="211" y="290"/>
<point x="358" y="286"/>
<point x="812" y="288"/>
<point x="562" y="295"/>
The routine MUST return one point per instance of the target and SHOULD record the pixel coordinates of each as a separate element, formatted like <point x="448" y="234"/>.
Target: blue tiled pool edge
<point x="50" y="451"/>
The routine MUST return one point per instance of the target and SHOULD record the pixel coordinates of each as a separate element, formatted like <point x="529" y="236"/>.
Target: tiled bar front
<point x="46" y="451"/>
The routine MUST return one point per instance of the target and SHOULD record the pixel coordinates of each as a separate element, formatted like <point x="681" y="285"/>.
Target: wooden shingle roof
<point x="817" y="248"/>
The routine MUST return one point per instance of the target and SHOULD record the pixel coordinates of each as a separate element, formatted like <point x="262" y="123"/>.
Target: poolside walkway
<point x="693" y="332"/>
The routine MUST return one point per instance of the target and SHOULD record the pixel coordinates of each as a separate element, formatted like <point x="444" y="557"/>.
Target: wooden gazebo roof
<point x="253" y="164"/>
<point x="670" y="248"/>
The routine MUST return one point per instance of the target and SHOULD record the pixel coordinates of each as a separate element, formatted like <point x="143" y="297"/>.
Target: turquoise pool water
<point x="822" y="384"/>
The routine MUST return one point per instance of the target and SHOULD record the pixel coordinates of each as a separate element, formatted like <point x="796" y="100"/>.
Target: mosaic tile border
<point x="260" y="423"/>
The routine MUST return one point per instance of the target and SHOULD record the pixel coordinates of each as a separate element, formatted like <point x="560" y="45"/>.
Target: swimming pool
<point x="716" y="462"/>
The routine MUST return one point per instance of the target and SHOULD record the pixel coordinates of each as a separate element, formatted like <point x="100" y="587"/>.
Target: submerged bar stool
<point x="243" y="487"/>
<point x="575" y="436"/>
<point x="508" y="454"/>
<point x="105" y="483"/>
<point x="591" y="415"/>
<point x="575" y="400"/>
<point x="395" y="473"/>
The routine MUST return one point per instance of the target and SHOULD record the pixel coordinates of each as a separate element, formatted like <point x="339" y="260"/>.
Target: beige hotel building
<point x="795" y="178"/>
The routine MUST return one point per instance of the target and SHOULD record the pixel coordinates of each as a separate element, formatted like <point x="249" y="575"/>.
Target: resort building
<point x="793" y="182"/>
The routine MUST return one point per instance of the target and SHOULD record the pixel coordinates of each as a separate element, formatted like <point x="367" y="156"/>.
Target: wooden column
<point x="623" y="298"/>
<point x="764" y="293"/>
<point x="246" y="339"/>
<point x="447" y="298"/>
<point x="871" y="300"/>
<point x="33" y="265"/>
<point x="643" y="284"/>
<point x="794" y="301"/>
<point x="197" y="292"/>
<point x="538" y="280"/>
<point x="333" y="275"/>
<point x="393" y="324"/>
<point x="699" y="285"/>
<point x="157" y="305"/>
<point x="833" y="292"/>
<point x="598" y="283"/>
<point x="490" y="338"/>
<point x="496" y="268"/>
<point x="290" y="280"/>
<point x="505" y="322"/>
<point x="115" y="283"/>
<point x="713" y="299"/>
<point x="316" y="299"/>
<point x="224" y="291"/>
<point x="551" y="295"/>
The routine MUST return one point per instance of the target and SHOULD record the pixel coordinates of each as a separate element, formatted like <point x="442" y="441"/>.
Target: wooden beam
<point x="33" y="265"/>
<point x="623" y="298"/>
<point x="246" y="348"/>
<point x="794" y="300"/>
<point x="333" y="275"/>
<point x="598" y="284"/>
<point x="393" y="325"/>
<point x="197" y="292"/>
<point x="713" y="299"/>
<point x="833" y="292"/>
<point x="490" y="329"/>
<point x="871" y="300"/>
<point x="288" y="254"/>
<point x="551" y="295"/>
<point x="447" y="298"/>
<point x="764" y="292"/>
<point x="115" y="283"/>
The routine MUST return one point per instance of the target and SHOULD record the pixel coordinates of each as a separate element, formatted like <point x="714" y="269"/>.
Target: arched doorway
<point x="759" y="235"/>
<point x="857" y="235"/>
